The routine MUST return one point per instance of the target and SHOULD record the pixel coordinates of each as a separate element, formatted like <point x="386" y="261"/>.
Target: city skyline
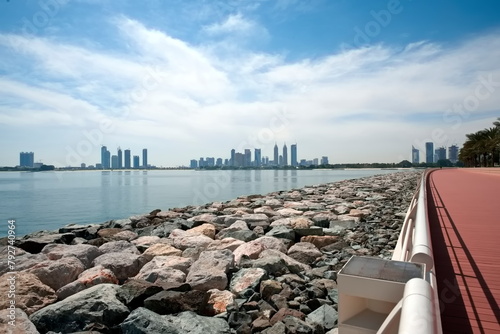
<point x="355" y="80"/>
<point x="244" y="159"/>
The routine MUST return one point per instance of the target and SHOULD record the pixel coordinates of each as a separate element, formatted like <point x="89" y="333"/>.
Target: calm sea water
<point x="49" y="200"/>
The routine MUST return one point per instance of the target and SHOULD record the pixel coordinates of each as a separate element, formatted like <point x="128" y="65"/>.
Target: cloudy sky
<point x="357" y="81"/>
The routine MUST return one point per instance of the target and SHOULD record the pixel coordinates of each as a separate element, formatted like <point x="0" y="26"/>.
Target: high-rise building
<point x="285" y="155"/>
<point x="453" y="153"/>
<point x="239" y="159"/>
<point x="26" y="159"/>
<point x="415" y="155"/>
<point x="315" y="161"/>
<point x="218" y="162"/>
<point x="276" y="161"/>
<point x="248" y="158"/>
<point x="429" y="152"/>
<point x="120" y="158"/>
<point x="145" y="158"/>
<point x="114" y="162"/>
<point x="233" y="153"/>
<point x="210" y="162"/>
<point x="193" y="164"/>
<point x="202" y="163"/>
<point x="136" y="161"/>
<point x="127" y="159"/>
<point x="258" y="157"/>
<point x="324" y="160"/>
<point x="440" y="154"/>
<point x="105" y="158"/>
<point x="293" y="150"/>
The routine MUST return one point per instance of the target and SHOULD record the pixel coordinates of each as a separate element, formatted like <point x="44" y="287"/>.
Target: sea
<point x="48" y="200"/>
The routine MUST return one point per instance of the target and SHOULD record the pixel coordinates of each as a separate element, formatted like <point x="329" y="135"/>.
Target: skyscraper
<point x="257" y="157"/>
<point x="145" y="158"/>
<point x="114" y="161"/>
<point x="429" y="152"/>
<point x="127" y="159"/>
<point x="441" y="153"/>
<point x="293" y="150"/>
<point x="415" y="155"/>
<point x="26" y="159"/>
<point x="248" y="158"/>
<point x="453" y="153"/>
<point x="285" y="155"/>
<point x="120" y="158"/>
<point x="233" y="153"/>
<point x="324" y="160"/>
<point x="105" y="157"/>
<point x="136" y="161"/>
<point x="193" y="163"/>
<point x="276" y="155"/>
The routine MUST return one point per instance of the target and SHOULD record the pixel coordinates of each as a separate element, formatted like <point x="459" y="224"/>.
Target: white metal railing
<point x="418" y="311"/>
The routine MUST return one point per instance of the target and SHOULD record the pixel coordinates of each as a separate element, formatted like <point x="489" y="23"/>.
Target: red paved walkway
<point x="464" y="213"/>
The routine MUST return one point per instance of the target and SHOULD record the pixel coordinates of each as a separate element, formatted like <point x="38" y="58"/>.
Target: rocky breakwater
<point x="256" y="264"/>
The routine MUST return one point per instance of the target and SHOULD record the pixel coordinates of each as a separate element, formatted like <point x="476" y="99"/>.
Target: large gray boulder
<point x="144" y="321"/>
<point x="85" y="253"/>
<point x="58" y="273"/>
<point x="23" y="325"/>
<point x="97" y="306"/>
<point x="210" y="270"/>
<point x="123" y="264"/>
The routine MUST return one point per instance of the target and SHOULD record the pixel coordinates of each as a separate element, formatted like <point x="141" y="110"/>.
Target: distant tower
<point x="136" y="161"/>
<point x="26" y="159"/>
<point x="233" y="157"/>
<point x="120" y="158"/>
<point x="453" y="153"/>
<point x="105" y="157"/>
<point x="285" y="155"/>
<point x="429" y="152"/>
<point x="276" y="155"/>
<point x="145" y="158"/>
<point x="293" y="150"/>
<point x="415" y="155"/>
<point x="248" y="158"/>
<point x="257" y="157"/>
<point x="127" y="159"/>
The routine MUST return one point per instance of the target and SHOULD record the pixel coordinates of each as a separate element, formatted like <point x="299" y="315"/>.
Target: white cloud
<point x="185" y="101"/>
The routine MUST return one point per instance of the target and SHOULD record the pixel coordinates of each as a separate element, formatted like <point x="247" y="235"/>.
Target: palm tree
<point x="482" y="148"/>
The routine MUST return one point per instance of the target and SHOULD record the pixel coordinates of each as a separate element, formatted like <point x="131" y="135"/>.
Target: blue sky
<point x="358" y="81"/>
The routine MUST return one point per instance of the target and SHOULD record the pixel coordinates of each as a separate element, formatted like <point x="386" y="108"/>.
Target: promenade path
<point x="464" y="214"/>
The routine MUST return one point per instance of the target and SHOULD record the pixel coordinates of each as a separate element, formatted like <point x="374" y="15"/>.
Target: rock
<point x="304" y="252"/>
<point x="218" y="301"/>
<point x="58" y="273"/>
<point x="319" y="241"/>
<point x="261" y="323"/>
<point x="203" y="218"/>
<point x="135" y="291"/>
<point x="247" y="279"/>
<point x="277" y="328"/>
<point x="313" y="230"/>
<point x="209" y="271"/>
<point x="173" y="262"/>
<point x="284" y="312"/>
<point x="294" y="325"/>
<point x="97" y="306"/>
<point x="31" y="293"/>
<point x="24" y="260"/>
<point x="144" y="321"/>
<point x="289" y="212"/>
<point x="88" y="278"/>
<point x="243" y="235"/>
<point x="119" y="246"/>
<point x="123" y="264"/>
<point x="293" y="265"/>
<point x="269" y="288"/>
<point x="169" y="302"/>
<point x="273" y="265"/>
<point x="161" y="249"/>
<point x="35" y="244"/>
<point x="189" y="241"/>
<point x="249" y="249"/>
<point x="165" y="270"/>
<point x="326" y="316"/>
<point x="85" y="253"/>
<point x="204" y="229"/>
<point x="125" y="235"/>
<point x="226" y="243"/>
<point x="23" y="325"/>
<point x="144" y="242"/>
<point x="108" y="233"/>
<point x="164" y="229"/>
<point x="282" y="232"/>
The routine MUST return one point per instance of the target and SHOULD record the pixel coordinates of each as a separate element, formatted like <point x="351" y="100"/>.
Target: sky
<point x="354" y="80"/>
